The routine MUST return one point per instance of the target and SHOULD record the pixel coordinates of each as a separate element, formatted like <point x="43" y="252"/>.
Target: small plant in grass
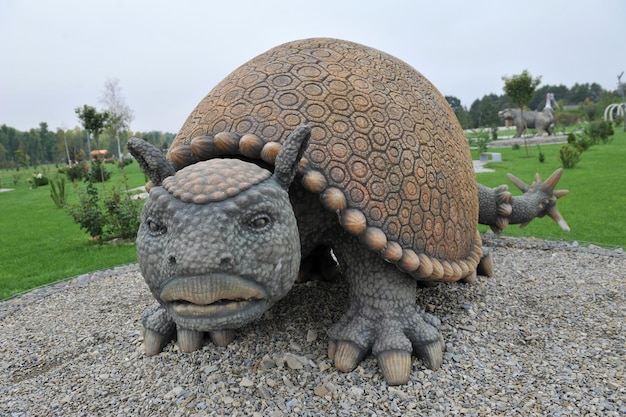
<point x="37" y="180"/>
<point x="569" y="156"/>
<point x="600" y="132"/>
<point x="76" y="172"/>
<point x="124" y="162"/>
<point x="541" y="156"/>
<point x="57" y="191"/>
<point x="88" y="213"/>
<point x="583" y="143"/>
<point x="98" y="173"/>
<point x="571" y="138"/>
<point x="516" y="147"/>
<point x="122" y="214"/>
<point x="481" y="141"/>
<point x="107" y="216"/>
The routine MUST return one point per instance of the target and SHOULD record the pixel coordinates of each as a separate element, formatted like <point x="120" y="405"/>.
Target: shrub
<point x="569" y="156"/>
<point x="125" y="162"/>
<point x="123" y="215"/>
<point x="88" y="214"/>
<point x="516" y="147"/>
<point x="566" y="119"/>
<point x="542" y="156"/>
<point x="583" y="143"/>
<point x="57" y="191"/>
<point x="115" y="215"/>
<point x="481" y="141"/>
<point x="76" y="172"/>
<point x="38" y="179"/>
<point x="98" y="173"/>
<point x="600" y="131"/>
<point x="571" y="138"/>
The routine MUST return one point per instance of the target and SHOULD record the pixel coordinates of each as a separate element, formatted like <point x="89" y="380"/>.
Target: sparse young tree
<point x="121" y="115"/>
<point x="93" y="122"/>
<point x="520" y="89"/>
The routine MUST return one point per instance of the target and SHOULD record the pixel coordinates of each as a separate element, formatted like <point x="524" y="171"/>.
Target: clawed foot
<point x="159" y="329"/>
<point x="390" y="339"/>
<point x="485" y="265"/>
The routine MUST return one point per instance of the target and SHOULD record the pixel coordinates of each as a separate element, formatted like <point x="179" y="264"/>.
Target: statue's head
<point x="507" y="114"/>
<point x="218" y="242"/>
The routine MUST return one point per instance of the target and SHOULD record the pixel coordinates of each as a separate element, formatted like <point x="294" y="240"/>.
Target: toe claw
<point x="332" y="349"/>
<point x="348" y="355"/>
<point x="395" y="366"/>
<point x="485" y="266"/>
<point x="431" y="353"/>
<point x="154" y="342"/>
<point x="189" y="340"/>
<point x="222" y="338"/>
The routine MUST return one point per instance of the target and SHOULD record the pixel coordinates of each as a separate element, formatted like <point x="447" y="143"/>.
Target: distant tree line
<point x="581" y="102"/>
<point x="40" y="146"/>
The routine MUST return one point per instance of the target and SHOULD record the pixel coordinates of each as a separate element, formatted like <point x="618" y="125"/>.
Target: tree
<point x="459" y="110"/>
<point x="93" y="122"/>
<point x="120" y="114"/>
<point x="484" y="112"/>
<point x="520" y="89"/>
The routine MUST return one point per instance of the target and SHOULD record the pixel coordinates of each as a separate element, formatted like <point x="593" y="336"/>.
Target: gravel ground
<point x="545" y="336"/>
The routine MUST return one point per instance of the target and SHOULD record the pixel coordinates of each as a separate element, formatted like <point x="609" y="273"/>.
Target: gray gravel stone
<point x="545" y="336"/>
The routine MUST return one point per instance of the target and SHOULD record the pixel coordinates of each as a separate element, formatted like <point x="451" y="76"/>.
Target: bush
<point x="57" y="191"/>
<point x="569" y="156"/>
<point x="98" y="173"/>
<point x="481" y="141"/>
<point x="123" y="215"/>
<point x="116" y="215"/>
<point x="88" y="214"/>
<point x="566" y="119"/>
<point x="583" y="143"/>
<point x="76" y="172"/>
<point x="38" y="179"/>
<point x="516" y="147"/>
<point x="601" y="131"/>
<point x="571" y="138"/>
<point x="125" y="162"/>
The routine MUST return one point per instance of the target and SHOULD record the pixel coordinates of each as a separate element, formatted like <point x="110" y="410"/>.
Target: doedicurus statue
<point x="319" y="143"/>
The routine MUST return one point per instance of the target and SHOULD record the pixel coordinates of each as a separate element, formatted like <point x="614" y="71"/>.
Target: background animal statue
<point x="318" y="143"/>
<point x="542" y="121"/>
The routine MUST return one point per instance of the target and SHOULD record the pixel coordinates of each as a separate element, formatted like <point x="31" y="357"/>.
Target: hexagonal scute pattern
<point x="381" y="133"/>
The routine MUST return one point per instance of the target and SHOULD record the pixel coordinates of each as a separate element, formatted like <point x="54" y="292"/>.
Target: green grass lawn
<point x="40" y="244"/>
<point x="595" y="209"/>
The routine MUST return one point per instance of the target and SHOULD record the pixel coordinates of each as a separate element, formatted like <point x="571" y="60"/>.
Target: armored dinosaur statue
<point x="319" y="142"/>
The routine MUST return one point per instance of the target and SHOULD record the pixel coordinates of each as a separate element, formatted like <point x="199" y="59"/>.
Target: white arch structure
<point x="618" y="108"/>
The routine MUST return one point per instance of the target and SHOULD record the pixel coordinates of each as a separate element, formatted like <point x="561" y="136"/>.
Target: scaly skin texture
<point x="383" y="177"/>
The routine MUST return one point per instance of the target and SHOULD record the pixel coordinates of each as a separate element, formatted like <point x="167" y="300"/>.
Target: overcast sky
<point x="56" y="55"/>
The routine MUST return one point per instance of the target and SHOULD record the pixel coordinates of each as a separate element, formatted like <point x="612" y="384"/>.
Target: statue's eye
<point x="155" y="227"/>
<point x="260" y="222"/>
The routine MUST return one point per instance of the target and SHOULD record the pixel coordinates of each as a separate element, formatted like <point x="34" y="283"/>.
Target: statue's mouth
<point x="214" y="297"/>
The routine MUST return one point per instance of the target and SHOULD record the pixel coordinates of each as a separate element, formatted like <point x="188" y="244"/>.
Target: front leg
<point x="158" y="329"/>
<point x="382" y="317"/>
